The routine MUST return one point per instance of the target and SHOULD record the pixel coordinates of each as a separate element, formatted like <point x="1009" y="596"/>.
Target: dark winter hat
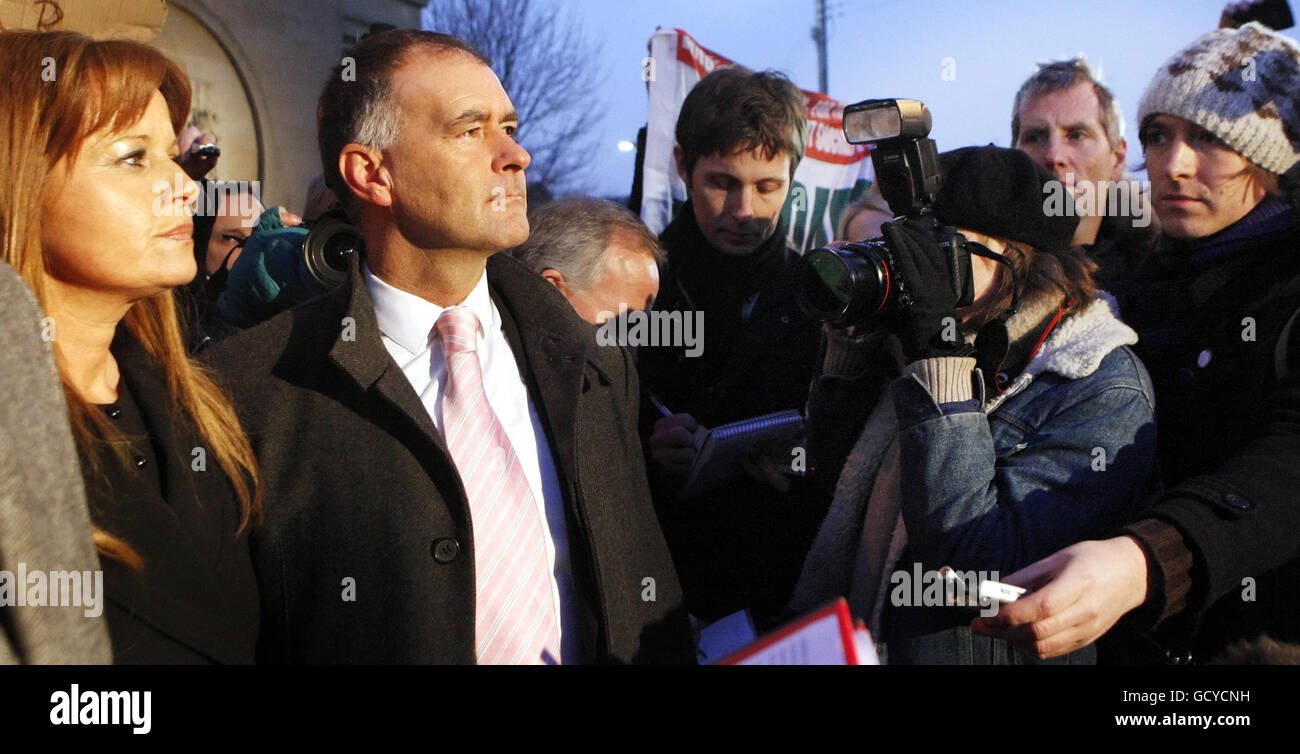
<point x="1240" y="85"/>
<point x="1004" y="193"/>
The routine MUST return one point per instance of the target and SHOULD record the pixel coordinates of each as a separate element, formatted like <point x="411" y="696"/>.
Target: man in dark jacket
<point x="740" y="136"/>
<point x="451" y="466"/>
<point x="1215" y="308"/>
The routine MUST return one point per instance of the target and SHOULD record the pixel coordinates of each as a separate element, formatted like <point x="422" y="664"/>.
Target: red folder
<point x="825" y="636"/>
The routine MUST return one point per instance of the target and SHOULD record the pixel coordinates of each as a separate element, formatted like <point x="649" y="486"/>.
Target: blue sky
<point x="892" y="48"/>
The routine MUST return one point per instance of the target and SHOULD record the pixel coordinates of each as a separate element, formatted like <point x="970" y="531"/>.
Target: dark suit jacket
<point x="195" y="601"/>
<point x="367" y="551"/>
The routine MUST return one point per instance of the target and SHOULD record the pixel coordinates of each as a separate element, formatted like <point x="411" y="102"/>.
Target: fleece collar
<point x="1079" y="343"/>
<point x="1075" y="347"/>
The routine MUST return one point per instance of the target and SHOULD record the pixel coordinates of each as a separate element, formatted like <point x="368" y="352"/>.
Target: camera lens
<point x="327" y="248"/>
<point x="337" y="249"/>
<point x="843" y="286"/>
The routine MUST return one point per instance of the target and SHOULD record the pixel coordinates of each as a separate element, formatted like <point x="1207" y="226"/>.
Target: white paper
<point x="818" y="643"/>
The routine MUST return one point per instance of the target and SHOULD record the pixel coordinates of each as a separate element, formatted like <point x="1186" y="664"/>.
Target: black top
<point x="195" y="600"/>
<point x="1208" y="313"/>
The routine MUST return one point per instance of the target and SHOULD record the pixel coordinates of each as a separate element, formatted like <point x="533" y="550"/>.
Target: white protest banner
<point x="832" y="173"/>
<point x="138" y="20"/>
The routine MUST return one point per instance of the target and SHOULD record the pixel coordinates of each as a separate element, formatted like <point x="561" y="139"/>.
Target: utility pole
<point x="819" y="36"/>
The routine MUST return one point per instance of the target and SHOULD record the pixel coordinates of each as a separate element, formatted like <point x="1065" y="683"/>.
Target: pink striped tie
<point x="515" y="620"/>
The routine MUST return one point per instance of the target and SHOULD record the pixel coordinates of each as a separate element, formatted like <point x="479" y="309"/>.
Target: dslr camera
<point x="855" y="284"/>
<point x="285" y="266"/>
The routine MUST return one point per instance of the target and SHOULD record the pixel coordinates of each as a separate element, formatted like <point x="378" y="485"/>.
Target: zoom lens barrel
<point x="846" y="285"/>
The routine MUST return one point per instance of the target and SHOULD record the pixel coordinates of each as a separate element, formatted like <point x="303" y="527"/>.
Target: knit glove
<point x="926" y="322"/>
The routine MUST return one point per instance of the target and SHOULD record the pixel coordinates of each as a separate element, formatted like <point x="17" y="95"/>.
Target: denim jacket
<point x="1063" y="454"/>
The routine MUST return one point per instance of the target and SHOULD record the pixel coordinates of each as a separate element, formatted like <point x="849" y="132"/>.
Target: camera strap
<point x="980" y="250"/>
<point x="993" y="347"/>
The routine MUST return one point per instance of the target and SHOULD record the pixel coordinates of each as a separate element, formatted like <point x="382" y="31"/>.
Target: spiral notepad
<point x="721" y="446"/>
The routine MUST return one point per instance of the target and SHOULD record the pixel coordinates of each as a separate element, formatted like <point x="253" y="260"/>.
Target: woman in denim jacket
<point x="981" y="454"/>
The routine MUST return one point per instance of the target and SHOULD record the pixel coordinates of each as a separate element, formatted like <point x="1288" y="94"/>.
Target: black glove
<point x="926" y="322"/>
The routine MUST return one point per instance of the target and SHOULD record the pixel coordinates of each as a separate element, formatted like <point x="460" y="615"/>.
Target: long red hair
<point x="61" y="88"/>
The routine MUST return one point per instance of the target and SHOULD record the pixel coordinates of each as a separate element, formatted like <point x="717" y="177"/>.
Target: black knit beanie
<point x="1005" y="194"/>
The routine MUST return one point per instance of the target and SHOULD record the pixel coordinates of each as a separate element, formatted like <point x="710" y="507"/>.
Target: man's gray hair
<point x="1058" y="75"/>
<point x="571" y="235"/>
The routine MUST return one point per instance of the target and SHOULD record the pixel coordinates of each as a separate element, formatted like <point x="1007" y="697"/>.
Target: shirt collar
<point x="408" y="319"/>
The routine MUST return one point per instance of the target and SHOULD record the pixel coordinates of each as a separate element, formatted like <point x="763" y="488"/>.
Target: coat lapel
<point x="548" y="340"/>
<point x="556" y="354"/>
<point x="551" y="344"/>
<point x="358" y="351"/>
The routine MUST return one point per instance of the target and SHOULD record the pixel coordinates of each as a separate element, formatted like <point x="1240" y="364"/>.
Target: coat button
<point x="140" y="461"/>
<point x="1238" y="502"/>
<point x="113" y="412"/>
<point x="445" y="549"/>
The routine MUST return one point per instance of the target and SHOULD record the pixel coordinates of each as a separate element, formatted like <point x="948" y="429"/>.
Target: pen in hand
<point x="658" y="404"/>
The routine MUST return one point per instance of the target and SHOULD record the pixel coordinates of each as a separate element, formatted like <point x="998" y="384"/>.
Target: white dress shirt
<point x="406" y="322"/>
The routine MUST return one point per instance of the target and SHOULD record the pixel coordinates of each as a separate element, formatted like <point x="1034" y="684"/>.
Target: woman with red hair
<point x="95" y="217"/>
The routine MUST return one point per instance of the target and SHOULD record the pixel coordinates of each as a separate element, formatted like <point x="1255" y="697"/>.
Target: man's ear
<point x="1121" y="154"/>
<point x="680" y="159"/>
<point x="555" y="277"/>
<point x="364" y="174"/>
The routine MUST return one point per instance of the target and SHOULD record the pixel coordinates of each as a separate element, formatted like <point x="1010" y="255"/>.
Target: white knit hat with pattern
<point x="1243" y="86"/>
